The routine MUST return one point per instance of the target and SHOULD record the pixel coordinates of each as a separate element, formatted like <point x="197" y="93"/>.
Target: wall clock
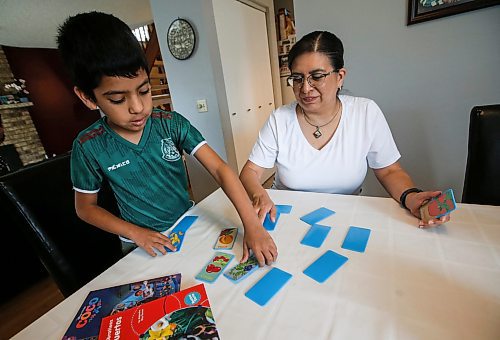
<point x="181" y="39"/>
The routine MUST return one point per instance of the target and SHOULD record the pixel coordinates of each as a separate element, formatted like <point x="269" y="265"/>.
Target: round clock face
<point x="181" y="39"/>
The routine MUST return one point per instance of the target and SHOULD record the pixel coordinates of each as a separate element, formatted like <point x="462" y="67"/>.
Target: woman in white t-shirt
<point x="325" y="142"/>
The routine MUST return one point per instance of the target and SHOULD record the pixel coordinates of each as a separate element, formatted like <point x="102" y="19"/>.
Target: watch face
<point x="181" y="39"/>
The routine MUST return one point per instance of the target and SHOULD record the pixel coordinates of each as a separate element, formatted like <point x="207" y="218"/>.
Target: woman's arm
<point x="396" y="180"/>
<point x="256" y="238"/>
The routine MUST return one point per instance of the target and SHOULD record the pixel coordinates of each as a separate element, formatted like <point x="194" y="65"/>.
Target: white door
<point x="244" y="51"/>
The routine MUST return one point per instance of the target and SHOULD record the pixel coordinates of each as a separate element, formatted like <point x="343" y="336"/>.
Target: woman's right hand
<point x="263" y="204"/>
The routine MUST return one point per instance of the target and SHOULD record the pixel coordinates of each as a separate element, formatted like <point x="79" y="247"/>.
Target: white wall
<point x="200" y="77"/>
<point x="425" y="77"/>
<point x="190" y="80"/>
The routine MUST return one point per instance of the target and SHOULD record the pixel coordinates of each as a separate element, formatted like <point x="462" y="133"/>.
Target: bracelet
<point x="405" y="193"/>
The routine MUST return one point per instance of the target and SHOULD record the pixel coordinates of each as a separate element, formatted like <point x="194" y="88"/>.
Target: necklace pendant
<point x="317" y="133"/>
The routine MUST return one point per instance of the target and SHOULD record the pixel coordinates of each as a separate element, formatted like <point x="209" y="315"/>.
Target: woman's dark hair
<point x="319" y="41"/>
<point x="94" y="45"/>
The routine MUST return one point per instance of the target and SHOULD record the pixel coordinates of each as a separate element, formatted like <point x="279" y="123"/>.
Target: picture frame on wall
<point x="425" y="10"/>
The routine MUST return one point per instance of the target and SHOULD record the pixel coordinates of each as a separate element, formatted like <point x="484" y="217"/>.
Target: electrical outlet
<point x="201" y="105"/>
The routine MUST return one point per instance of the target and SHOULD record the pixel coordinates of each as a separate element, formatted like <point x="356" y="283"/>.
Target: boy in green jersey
<point x="136" y="148"/>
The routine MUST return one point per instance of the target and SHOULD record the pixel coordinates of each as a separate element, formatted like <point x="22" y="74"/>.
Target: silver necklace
<point x="317" y="133"/>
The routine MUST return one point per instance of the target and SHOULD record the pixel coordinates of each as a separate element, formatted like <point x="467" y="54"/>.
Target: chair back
<point x="482" y="172"/>
<point x="72" y="251"/>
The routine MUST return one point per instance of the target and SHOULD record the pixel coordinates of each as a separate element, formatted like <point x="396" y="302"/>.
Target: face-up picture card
<point x="242" y="270"/>
<point x="268" y="286"/>
<point x="226" y="239"/>
<point x="211" y="271"/>
<point x="356" y="239"/>
<point x="270" y="225"/>
<point x="317" y="215"/>
<point x="438" y="206"/>
<point x="316" y="235"/>
<point x="177" y="234"/>
<point x="324" y="267"/>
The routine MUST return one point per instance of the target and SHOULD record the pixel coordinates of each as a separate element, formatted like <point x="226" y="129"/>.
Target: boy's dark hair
<point x="319" y="41"/>
<point x="94" y="45"/>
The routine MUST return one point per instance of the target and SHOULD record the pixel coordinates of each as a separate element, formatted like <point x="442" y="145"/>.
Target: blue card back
<point x="283" y="209"/>
<point x="316" y="235"/>
<point x="356" y="239"/>
<point x="185" y="223"/>
<point x="317" y="215"/>
<point x="325" y="266"/>
<point x="270" y="225"/>
<point x="268" y="286"/>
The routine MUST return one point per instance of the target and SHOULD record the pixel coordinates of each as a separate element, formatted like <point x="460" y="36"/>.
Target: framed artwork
<point x="424" y="10"/>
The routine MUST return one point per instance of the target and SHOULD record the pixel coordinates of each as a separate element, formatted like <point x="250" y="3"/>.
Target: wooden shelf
<point x="15" y="106"/>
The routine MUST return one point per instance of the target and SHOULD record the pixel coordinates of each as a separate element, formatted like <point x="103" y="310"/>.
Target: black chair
<point x="42" y="200"/>
<point x="18" y="260"/>
<point x="482" y="173"/>
<point x="9" y="159"/>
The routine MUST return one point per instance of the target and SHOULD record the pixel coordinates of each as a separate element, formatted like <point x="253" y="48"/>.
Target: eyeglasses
<point x="315" y="80"/>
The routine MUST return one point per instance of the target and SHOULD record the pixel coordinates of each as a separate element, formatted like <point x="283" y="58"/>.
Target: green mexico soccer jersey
<point x="149" y="179"/>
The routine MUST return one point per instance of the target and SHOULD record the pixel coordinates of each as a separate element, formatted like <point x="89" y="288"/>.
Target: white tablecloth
<point x="441" y="283"/>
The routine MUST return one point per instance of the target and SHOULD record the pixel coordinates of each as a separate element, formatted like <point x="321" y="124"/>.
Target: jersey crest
<point x="169" y="151"/>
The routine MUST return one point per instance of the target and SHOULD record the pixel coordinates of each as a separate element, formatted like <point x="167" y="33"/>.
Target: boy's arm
<point x="88" y="210"/>
<point x="250" y="177"/>
<point x="256" y="237"/>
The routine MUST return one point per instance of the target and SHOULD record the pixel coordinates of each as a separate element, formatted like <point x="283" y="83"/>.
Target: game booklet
<point x="109" y="301"/>
<point x="183" y="315"/>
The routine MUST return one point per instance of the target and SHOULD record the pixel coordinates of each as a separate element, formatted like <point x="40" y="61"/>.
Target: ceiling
<point x="28" y="23"/>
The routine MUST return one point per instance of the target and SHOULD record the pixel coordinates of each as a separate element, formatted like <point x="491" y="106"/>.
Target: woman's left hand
<point x="415" y="200"/>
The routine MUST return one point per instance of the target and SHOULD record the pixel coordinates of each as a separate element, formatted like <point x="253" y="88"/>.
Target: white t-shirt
<point x="362" y="139"/>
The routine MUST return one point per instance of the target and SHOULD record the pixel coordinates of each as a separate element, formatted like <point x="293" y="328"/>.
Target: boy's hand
<point x="262" y="245"/>
<point x="263" y="204"/>
<point x="150" y="240"/>
<point x="415" y="200"/>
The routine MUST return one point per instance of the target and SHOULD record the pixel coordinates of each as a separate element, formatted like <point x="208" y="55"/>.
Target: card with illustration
<point x="226" y="239"/>
<point x="438" y="206"/>
<point x="214" y="267"/>
<point x="177" y="234"/>
<point x="242" y="270"/>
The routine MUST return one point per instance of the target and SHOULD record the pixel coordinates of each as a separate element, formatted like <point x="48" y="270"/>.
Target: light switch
<point x="201" y="105"/>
